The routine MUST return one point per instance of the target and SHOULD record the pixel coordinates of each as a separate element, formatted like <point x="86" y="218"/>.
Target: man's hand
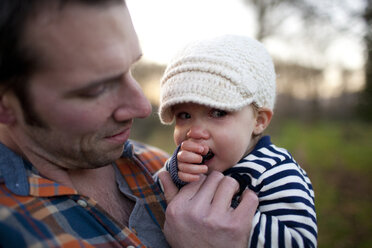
<point x="200" y="215"/>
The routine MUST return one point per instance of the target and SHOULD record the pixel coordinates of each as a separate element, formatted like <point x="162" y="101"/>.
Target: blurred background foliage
<point x="322" y="116"/>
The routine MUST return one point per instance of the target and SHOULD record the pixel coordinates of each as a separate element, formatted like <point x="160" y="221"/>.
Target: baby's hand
<point x="189" y="158"/>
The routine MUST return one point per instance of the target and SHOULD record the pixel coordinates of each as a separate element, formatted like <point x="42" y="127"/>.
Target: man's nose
<point x="132" y="102"/>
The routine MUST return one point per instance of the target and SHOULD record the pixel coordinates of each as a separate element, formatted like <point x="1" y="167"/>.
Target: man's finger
<point x="227" y="188"/>
<point x="248" y="201"/>
<point x="192" y="189"/>
<point x="169" y="188"/>
<point x="208" y="188"/>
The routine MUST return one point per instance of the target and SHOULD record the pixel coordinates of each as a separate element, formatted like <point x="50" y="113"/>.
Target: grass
<point x="338" y="159"/>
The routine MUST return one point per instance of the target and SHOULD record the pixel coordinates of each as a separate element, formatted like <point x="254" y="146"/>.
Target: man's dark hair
<point x="17" y="60"/>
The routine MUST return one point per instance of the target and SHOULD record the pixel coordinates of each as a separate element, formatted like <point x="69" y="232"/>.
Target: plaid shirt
<point x="38" y="212"/>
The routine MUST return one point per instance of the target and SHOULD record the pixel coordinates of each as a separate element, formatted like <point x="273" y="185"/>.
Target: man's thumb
<point x="169" y="188"/>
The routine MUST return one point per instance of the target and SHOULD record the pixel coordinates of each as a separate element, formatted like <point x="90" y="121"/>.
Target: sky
<point x="164" y="26"/>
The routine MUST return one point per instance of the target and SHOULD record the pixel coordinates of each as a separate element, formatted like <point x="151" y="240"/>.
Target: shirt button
<point x="82" y="203"/>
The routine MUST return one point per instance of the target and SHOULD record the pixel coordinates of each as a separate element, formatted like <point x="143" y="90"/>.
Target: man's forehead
<point x="84" y="44"/>
<point x="70" y="30"/>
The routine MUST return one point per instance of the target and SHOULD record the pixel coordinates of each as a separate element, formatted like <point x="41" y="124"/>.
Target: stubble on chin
<point x="97" y="158"/>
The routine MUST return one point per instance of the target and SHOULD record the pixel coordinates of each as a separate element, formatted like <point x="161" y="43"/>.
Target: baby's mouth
<point x="207" y="156"/>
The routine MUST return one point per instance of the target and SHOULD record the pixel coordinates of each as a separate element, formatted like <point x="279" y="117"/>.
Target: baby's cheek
<point x="220" y="166"/>
<point x="178" y="137"/>
<point x="233" y="153"/>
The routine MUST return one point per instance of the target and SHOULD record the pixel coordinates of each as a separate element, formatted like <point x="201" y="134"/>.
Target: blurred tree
<point x="280" y="17"/>
<point x="315" y="22"/>
<point x="271" y="14"/>
<point x="318" y="24"/>
<point x="365" y="104"/>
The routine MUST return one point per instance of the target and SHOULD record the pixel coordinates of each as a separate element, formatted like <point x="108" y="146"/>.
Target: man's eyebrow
<point x="108" y="79"/>
<point x="93" y="84"/>
<point x="98" y="82"/>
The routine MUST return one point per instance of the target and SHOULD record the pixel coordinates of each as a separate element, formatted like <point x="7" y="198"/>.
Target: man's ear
<point x="7" y="115"/>
<point x="263" y="118"/>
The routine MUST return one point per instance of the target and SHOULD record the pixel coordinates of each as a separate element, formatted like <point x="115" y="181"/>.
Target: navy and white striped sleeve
<point x="286" y="214"/>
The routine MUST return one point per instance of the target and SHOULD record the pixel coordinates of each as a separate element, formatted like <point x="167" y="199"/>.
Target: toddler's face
<point x="227" y="134"/>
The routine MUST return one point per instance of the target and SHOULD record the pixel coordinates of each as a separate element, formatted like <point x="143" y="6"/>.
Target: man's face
<point x="84" y="92"/>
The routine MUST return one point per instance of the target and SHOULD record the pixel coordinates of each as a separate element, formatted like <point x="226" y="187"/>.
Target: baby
<point x="221" y="93"/>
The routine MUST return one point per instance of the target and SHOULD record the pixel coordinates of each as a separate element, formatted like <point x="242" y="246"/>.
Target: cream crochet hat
<point x="227" y="72"/>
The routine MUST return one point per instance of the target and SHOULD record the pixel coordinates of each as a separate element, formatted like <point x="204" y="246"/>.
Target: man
<point x="68" y="175"/>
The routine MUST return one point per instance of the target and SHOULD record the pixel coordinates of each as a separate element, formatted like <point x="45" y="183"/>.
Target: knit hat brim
<point x="201" y="88"/>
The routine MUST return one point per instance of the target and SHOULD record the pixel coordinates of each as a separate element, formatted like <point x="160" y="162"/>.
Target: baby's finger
<point x="192" y="168"/>
<point x="192" y="146"/>
<point x="189" y="157"/>
<point x="186" y="177"/>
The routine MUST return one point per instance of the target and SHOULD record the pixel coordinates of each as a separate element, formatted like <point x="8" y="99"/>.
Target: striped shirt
<point x="38" y="212"/>
<point x="286" y="214"/>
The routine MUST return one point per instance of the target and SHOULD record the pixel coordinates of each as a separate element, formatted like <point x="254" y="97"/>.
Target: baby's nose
<point x="198" y="132"/>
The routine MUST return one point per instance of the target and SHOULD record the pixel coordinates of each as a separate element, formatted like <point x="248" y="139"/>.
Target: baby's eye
<point x="217" y="113"/>
<point x="183" y="115"/>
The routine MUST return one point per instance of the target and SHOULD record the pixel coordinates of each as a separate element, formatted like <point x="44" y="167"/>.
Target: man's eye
<point x="217" y="113"/>
<point x="183" y="115"/>
<point x="94" y="92"/>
